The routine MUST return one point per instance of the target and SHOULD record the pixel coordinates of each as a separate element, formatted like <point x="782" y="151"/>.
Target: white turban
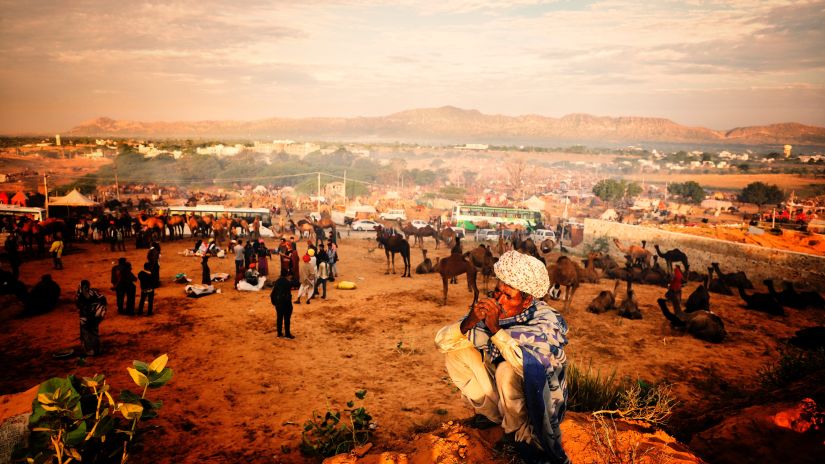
<point x="524" y="273"/>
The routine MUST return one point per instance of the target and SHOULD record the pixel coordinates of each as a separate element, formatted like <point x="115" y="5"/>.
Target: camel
<point x="629" y="307"/>
<point x="453" y="266"/>
<point x="409" y="231"/>
<point x="565" y="272"/>
<point x="195" y="223"/>
<point x="326" y="223"/>
<point x="447" y="236"/>
<point x="305" y="228"/>
<point x="703" y="325"/>
<point x="502" y="246"/>
<point x="482" y="258"/>
<point x="790" y="298"/>
<point x="395" y="244"/>
<point x="637" y="254"/>
<point x="734" y="278"/>
<point x="654" y="275"/>
<point x="763" y="302"/>
<point x="426" y="231"/>
<point x="699" y="300"/>
<point x="589" y="274"/>
<point x="604" y="301"/>
<point x="717" y="285"/>
<point x="426" y="265"/>
<point x="153" y="224"/>
<point x="673" y="256"/>
<point x="175" y="224"/>
<point x="546" y="247"/>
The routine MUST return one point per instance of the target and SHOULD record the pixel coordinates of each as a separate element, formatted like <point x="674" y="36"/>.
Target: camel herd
<point x="641" y="267"/>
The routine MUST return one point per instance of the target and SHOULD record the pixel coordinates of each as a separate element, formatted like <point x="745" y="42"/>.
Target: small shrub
<point x="599" y="245"/>
<point x="590" y="391"/>
<point x="329" y="434"/>
<point x="792" y="365"/>
<point x="77" y="419"/>
<point x="611" y="447"/>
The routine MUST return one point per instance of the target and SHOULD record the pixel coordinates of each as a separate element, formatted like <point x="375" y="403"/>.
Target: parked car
<point x="459" y="231"/>
<point x="418" y="223"/>
<point x="393" y="215"/>
<point x="540" y="235"/>
<point x="364" y="224"/>
<point x="487" y="235"/>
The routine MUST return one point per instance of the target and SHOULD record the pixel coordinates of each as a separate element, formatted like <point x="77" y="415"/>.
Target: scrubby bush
<point x="334" y="432"/>
<point x="77" y="419"/>
<point x="793" y="364"/>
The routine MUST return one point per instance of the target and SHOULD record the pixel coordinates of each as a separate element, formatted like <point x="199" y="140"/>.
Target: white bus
<point x="12" y="210"/>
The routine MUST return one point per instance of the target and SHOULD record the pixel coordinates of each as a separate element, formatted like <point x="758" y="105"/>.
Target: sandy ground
<point x="240" y="394"/>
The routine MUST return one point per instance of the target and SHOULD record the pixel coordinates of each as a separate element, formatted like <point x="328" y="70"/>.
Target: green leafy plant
<point x="335" y="432"/>
<point x="599" y="245"/>
<point x="77" y="419"/>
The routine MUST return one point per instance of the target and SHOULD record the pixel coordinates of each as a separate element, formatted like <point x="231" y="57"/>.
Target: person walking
<point x="282" y="300"/>
<point x="92" y="309"/>
<point x="323" y="272"/>
<point x="125" y="288"/>
<point x="57" y="251"/>
<point x="153" y="257"/>
<point x="147" y="289"/>
<point x="308" y="273"/>
<point x="332" y="254"/>
<point x="239" y="265"/>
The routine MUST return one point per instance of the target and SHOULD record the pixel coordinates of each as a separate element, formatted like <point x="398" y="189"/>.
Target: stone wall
<point x="759" y="263"/>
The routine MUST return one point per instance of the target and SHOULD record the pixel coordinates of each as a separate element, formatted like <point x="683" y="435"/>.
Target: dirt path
<point x="240" y="394"/>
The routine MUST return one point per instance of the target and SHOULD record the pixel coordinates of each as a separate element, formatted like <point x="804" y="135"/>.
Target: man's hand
<point x="487" y="310"/>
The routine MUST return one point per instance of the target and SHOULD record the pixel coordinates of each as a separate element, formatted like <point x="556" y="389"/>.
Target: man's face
<point x="510" y="299"/>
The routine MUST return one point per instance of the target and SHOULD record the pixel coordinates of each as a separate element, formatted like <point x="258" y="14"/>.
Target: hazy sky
<point x="715" y="63"/>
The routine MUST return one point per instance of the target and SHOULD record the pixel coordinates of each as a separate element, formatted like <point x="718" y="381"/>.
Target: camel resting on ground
<point x="703" y="325"/>
<point x="604" y="301"/>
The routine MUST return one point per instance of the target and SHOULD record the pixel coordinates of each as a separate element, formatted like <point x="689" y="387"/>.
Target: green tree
<point x="760" y="194"/>
<point x="610" y="190"/>
<point x="690" y="191"/>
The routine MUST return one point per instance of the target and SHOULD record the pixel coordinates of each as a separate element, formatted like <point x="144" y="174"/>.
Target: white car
<point x="487" y="235"/>
<point x="393" y="215"/>
<point x="418" y="223"/>
<point x="540" y="235"/>
<point x="364" y="224"/>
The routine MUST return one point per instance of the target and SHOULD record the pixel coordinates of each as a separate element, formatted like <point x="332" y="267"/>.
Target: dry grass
<point x="730" y="181"/>
<point x="612" y="446"/>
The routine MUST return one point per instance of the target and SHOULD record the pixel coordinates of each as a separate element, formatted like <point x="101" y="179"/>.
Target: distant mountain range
<point x="455" y="125"/>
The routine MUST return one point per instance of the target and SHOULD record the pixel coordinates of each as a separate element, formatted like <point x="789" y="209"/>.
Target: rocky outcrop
<point x="455" y="125"/>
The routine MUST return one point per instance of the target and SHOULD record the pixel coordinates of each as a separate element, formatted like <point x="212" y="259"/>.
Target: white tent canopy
<point x="74" y="198"/>
<point x="259" y="189"/>
<point x="534" y="203"/>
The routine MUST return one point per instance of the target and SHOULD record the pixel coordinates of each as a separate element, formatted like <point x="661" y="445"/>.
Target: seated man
<point x="251" y="275"/>
<point x="507" y="358"/>
<point x="43" y="296"/>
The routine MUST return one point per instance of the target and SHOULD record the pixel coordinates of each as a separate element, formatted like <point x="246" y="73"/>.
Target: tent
<point x="4" y="199"/>
<point x="259" y="189"/>
<point x="74" y="198"/>
<point x="19" y="199"/>
<point x="609" y="215"/>
<point x="534" y="203"/>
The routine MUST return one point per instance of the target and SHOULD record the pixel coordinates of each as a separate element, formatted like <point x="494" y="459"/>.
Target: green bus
<point x="467" y="216"/>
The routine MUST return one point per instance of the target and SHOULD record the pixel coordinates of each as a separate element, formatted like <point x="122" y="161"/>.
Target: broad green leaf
<point x="158" y="364"/>
<point x="76" y="436"/>
<point x="105" y="426"/>
<point x="128" y="396"/>
<point x="162" y="378"/>
<point x="141" y="366"/>
<point x="140" y="379"/>
<point x="130" y="410"/>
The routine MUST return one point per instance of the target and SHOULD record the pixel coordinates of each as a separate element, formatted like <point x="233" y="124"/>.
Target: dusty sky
<point x="716" y="63"/>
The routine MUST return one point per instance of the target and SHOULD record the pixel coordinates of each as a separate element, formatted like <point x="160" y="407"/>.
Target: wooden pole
<point x="46" y="189"/>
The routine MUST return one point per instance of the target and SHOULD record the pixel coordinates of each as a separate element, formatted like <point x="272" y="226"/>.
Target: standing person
<point x="112" y="236"/>
<point x="507" y="358"/>
<point x="674" y="290"/>
<point x="92" y="308"/>
<point x="57" y="251"/>
<point x="282" y="300"/>
<point x="332" y="254"/>
<point x="308" y="274"/>
<point x="120" y="236"/>
<point x="147" y="289"/>
<point x="323" y="275"/>
<point x="238" y="250"/>
<point x="296" y="260"/>
<point x="285" y="254"/>
<point x="248" y="254"/>
<point x="13" y="253"/>
<point x="263" y="255"/>
<point x="125" y="288"/>
<point x="206" y="274"/>
<point x="153" y="257"/>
